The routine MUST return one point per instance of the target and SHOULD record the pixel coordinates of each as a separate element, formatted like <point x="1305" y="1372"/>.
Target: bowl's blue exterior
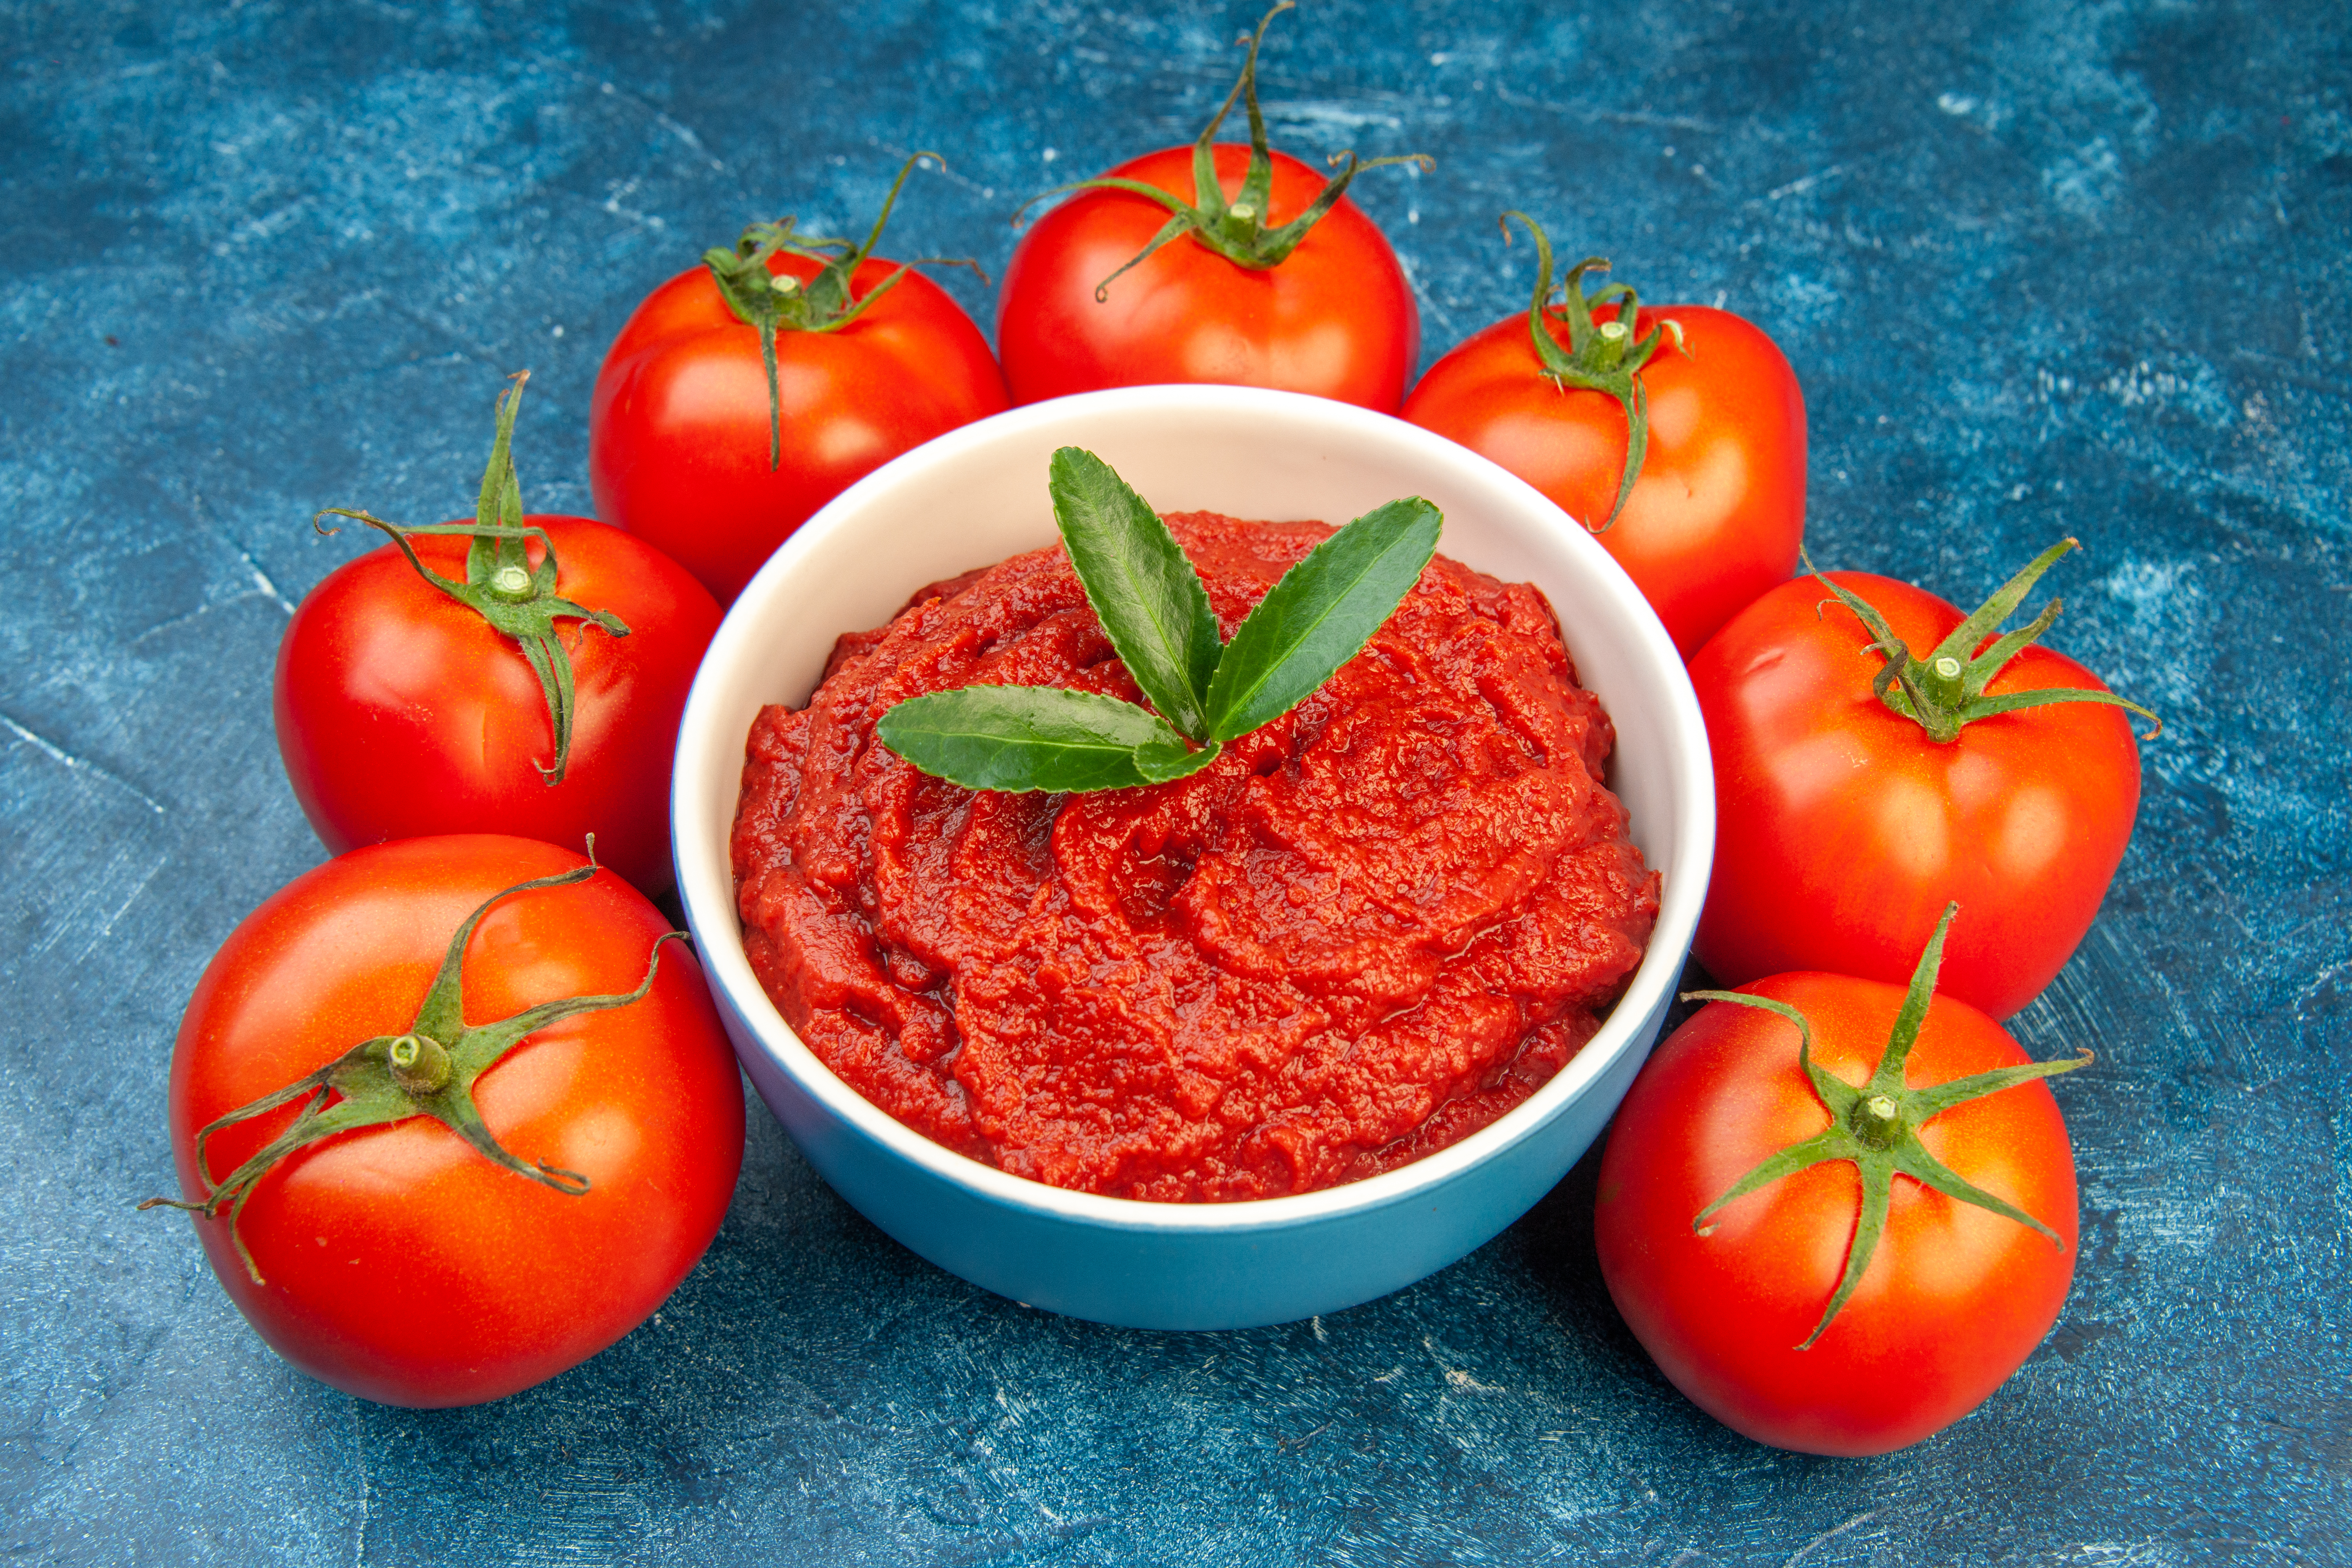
<point x="1187" y="1266"/>
<point x="1144" y="1276"/>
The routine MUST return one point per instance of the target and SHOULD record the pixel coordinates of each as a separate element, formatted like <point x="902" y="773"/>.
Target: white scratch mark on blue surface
<point x="359" y="1453"/>
<point x="2319" y="983"/>
<point x="1798" y="186"/>
<point x="58" y="753"/>
<point x="1802" y="1552"/>
<point x="617" y="189"/>
<point x="457" y="344"/>
<point x="654" y="111"/>
<point x="1326" y="116"/>
<point x="80" y="903"/>
<point x="932" y="163"/>
<point x="106" y="926"/>
<point x="1590" y="114"/>
<point x="200" y="612"/>
<point x="261" y="579"/>
<point x="2145" y="383"/>
<point x="684" y="134"/>
<point x="2086" y="181"/>
<point x="1455" y="1376"/>
<point x="1428" y="302"/>
<point x="2149" y="1552"/>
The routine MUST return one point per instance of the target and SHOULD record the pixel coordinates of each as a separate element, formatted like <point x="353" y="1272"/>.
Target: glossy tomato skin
<point x="679" y="429"/>
<point x="1335" y="318"/>
<point x="401" y="1265"/>
<point x="1846" y="830"/>
<point x="1719" y="512"/>
<point x="402" y="714"/>
<point x="1956" y="1297"/>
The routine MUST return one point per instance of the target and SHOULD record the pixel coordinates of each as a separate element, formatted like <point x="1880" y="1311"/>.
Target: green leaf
<point x="1163" y="761"/>
<point x="1320" y="615"/>
<point x="1150" y="599"/>
<point x="1035" y="738"/>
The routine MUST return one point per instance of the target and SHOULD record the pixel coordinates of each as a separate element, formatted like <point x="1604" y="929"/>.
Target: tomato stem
<point x="1876" y="1125"/>
<point x="419" y="1064"/>
<point x="1601" y="356"/>
<point x="391" y="1077"/>
<point x="771" y="302"/>
<point x="1235" y="230"/>
<point x="1944" y="692"/>
<point x="1877" y="1120"/>
<point x="502" y="585"/>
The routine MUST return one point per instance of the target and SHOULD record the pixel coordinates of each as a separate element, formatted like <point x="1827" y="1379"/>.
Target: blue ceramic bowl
<point x="978" y="495"/>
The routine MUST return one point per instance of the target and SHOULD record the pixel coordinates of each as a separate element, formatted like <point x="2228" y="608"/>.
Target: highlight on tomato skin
<point x="1954" y="1299"/>
<point x="398" y="1264"/>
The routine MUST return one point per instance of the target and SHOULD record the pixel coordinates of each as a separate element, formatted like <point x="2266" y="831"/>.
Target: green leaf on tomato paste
<point x="1150" y="599"/>
<point x="1155" y="610"/>
<point x="1320" y="615"/>
<point x="1162" y="761"/>
<point x="1017" y="738"/>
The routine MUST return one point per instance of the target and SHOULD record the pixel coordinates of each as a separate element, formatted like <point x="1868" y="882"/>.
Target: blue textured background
<point x="2041" y="270"/>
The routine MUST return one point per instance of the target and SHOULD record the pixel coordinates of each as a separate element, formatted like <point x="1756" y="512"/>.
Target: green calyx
<point x="1155" y="610"/>
<point x="774" y="302"/>
<point x="502" y="585"/>
<point x="1601" y="356"/>
<point x="1238" y="229"/>
<point x="428" y="1070"/>
<point x="1877" y="1125"/>
<point x="1944" y="691"/>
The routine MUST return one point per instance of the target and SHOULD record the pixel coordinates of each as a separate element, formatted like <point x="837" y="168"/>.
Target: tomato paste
<point x="1364" y="932"/>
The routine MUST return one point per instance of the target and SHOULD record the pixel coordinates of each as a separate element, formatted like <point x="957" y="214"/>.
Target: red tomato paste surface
<point x="1367" y="930"/>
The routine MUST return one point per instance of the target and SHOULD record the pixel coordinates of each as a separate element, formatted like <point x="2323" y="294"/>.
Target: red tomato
<point x="1335" y="318"/>
<point x="679" y="433"/>
<point x="401" y="713"/>
<point x="1846" y="830"/>
<point x="1953" y="1299"/>
<point x="402" y="1265"/>
<point x="1718" y="511"/>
